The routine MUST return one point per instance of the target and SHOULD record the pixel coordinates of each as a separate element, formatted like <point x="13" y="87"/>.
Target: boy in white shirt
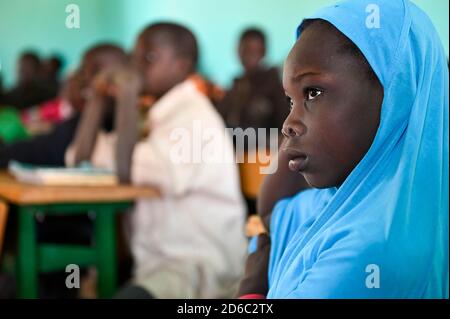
<point x="190" y="243"/>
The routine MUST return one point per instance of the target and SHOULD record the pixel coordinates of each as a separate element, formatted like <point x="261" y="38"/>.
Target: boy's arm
<point x="122" y="85"/>
<point x="283" y="183"/>
<point x="126" y="122"/>
<point x="88" y="128"/>
<point x="45" y="149"/>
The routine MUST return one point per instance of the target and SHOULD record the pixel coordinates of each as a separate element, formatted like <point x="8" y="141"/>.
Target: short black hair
<point x="56" y="60"/>
<point x="178" y="37"/>
<point x="31" y="56"/>
<point x="107" y="49"/>
<point x="253" y="33"/>
<point x="347" y="46"/>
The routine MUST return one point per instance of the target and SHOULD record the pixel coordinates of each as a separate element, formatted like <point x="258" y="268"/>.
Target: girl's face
<point x="335" y="107"/>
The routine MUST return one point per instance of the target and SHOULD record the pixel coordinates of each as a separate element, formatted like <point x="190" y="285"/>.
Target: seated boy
<point x="190" y="242"/>
<point x="50" y="148"/>
<point x="256" y="99"/>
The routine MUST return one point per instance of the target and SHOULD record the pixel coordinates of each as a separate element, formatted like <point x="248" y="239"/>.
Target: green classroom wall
<point x="40" y="25"/>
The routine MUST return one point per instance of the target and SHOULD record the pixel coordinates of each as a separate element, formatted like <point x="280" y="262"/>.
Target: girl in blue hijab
<point x="368" y="131"/>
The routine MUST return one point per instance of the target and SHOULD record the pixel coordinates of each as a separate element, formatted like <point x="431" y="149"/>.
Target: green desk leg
<point x="105" y="241"/>
<point x="27" y="268"/>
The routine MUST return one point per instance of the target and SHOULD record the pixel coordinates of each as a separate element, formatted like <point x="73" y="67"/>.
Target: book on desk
<point x="83" y="175"/>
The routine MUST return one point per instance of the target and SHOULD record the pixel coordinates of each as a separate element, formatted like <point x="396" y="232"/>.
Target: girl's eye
<point x="312" y="93"/>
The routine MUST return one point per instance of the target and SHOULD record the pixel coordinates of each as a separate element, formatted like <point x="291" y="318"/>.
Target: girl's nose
<point x="292" y="128"/>
<point x="288" y="131"/>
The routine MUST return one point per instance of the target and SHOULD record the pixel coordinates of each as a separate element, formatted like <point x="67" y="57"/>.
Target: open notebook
<point x="83" y="175"/>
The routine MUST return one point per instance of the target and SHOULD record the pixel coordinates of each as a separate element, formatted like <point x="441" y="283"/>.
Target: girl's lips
<point x="298" y="164"/>
<point x="297" y="160"/>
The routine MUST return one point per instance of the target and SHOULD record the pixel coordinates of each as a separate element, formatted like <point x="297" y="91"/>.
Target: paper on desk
<point x="84" y="175"/>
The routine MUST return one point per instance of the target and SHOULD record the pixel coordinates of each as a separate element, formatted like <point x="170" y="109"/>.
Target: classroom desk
<point x="103" y="201"/>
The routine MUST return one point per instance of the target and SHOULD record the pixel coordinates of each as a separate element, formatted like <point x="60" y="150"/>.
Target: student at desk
<point x="49" y="148"/>
<point x="190" y="243"/>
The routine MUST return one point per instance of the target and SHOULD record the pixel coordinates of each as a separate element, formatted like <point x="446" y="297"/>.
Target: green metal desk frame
<point x="34" y="258"/>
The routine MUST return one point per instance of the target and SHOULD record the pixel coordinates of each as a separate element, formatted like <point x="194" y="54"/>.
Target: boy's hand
<point x="255" y="279"/>
<point x="115" y="82"/>
<point x="125" y="87"/>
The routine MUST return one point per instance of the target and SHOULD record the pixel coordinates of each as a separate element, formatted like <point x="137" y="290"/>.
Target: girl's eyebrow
<point x="298" y="77"/>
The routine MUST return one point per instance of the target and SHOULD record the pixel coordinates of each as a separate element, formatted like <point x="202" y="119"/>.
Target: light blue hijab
<point x="384" y="232"/>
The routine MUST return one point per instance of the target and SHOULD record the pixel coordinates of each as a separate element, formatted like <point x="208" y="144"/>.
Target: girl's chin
<point x="316" y="181"/>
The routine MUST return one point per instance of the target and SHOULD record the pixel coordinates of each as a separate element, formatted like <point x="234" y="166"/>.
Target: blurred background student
<point x="49" y="149"/>
<point x="256" y="98"/>
<point x="51" y="71"/>
<point x="35" y="103"/>
<point x="30" y="89"/>
<point x="255" y="101"/>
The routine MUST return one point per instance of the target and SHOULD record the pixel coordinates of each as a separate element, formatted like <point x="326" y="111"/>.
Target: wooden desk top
<point x="26" y="194"/>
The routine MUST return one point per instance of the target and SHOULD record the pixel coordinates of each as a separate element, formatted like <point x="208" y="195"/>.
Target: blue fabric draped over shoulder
<point x="384" y="232"/>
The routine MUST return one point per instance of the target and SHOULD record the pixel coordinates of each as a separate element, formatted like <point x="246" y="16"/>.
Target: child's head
<point x="335" y="105"/>
<point x="165" y="54"/>
<point x="51" y="67"/>
<point x="99" y="58"/>
<point x="28" y="67"/>
<point x="95" y="60"/>
<point x="252" y="49"/>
